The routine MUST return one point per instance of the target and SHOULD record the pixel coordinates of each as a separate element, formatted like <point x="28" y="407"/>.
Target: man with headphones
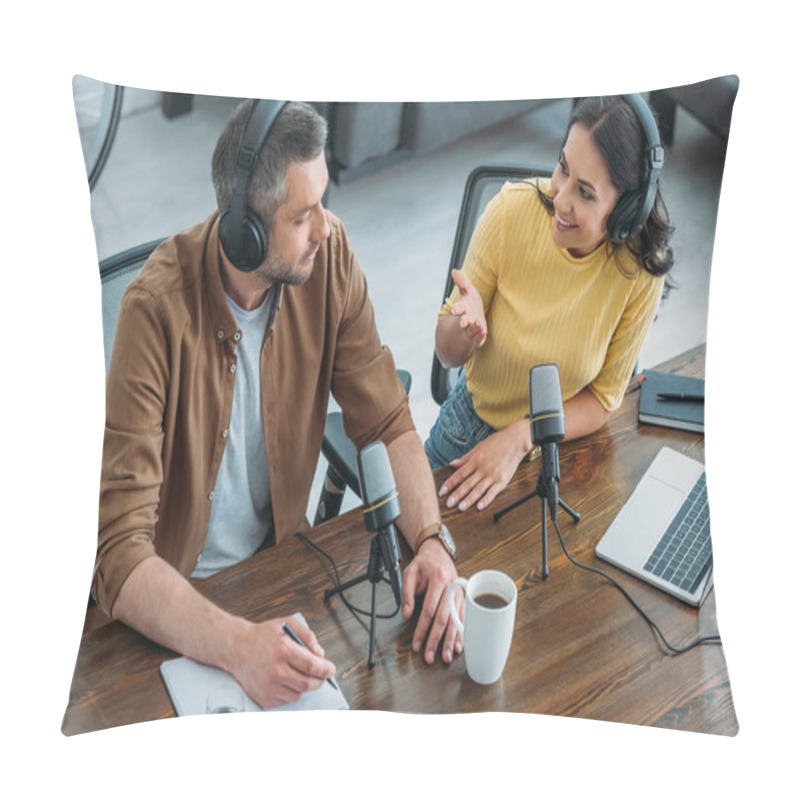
<point x="228" y="345"/>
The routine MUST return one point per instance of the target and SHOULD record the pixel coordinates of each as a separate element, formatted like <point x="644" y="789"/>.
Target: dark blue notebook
<point x="684" y="414"/>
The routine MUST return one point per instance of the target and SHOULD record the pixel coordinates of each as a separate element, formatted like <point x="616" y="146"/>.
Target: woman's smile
<point x="563" y="225"/>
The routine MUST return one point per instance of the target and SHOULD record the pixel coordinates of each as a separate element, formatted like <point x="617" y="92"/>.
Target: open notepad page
<point x="189" y="683"/>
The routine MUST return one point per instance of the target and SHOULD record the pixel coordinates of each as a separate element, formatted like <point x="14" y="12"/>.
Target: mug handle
<point x="462" y="582"/>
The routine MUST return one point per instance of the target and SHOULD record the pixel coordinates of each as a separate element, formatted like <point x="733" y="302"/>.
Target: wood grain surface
<point x="579" y="648"/>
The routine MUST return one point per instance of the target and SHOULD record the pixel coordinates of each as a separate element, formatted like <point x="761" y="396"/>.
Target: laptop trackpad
<point x="640" y="523"/>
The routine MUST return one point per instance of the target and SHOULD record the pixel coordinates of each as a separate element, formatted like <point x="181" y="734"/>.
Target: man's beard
<point x="276" y="270"/>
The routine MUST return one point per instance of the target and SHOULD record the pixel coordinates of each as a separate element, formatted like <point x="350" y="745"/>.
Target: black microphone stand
<point x="541" y="491"/>
<point x="376" y="572"/>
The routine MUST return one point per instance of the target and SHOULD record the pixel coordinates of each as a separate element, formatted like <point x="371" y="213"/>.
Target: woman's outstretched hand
<point x="469" y="309"/>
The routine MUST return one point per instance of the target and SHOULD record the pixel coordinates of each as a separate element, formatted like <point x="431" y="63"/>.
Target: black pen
<point x="295" y="638"/>
<point x="691" y="398"/>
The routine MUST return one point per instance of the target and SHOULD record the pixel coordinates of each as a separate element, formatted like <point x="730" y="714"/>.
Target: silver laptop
<point x="662" y="534"/>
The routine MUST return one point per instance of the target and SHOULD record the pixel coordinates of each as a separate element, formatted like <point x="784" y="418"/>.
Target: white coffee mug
<point x="489" y="609"/>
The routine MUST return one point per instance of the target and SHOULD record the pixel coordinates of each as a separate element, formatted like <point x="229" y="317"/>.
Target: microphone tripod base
<point x="374" y="575"/>
<point x="541" y="492"/>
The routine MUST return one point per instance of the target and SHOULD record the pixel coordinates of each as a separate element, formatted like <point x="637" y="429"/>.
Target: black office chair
<point x="482" y="185"/>
<point x="98" y="107"/>
<point x="116" y="272"/>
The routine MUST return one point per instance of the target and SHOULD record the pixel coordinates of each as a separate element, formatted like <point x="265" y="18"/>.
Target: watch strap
<point x="428" y="532"/>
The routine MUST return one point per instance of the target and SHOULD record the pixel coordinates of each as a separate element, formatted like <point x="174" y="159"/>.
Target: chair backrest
<point x="482" y="185"/>
<point x="116" y="272"/>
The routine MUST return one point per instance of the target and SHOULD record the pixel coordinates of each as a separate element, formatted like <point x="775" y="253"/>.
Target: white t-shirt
<point x="241" y="512"/>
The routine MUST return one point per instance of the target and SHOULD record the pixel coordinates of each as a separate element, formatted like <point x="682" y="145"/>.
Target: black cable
<point x="109" y="116"/>
<point x="675" y="650"/>
<point x="353" y="609"/>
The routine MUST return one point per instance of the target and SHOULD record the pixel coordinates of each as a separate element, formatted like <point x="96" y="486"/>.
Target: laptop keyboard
<point x="683" y="554"/>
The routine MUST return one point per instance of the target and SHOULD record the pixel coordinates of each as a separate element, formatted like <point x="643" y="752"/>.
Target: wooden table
<point x="579" y="648"/>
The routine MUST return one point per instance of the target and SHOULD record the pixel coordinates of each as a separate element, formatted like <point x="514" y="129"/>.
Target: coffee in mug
<point x="490" y="600"/>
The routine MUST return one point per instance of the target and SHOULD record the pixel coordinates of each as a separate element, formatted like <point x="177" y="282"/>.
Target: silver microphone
<point x="381" y="507"/>
<point x="547" y="425"/>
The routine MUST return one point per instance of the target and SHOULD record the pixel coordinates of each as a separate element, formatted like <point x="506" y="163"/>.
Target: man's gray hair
<point x="298" y="134"/>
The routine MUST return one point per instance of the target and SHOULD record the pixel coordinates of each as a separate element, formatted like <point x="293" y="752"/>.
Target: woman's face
<point x="583" y="195"/>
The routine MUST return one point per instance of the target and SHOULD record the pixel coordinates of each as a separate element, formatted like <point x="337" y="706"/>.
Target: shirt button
<point x="233" y="368"/>
<point x="225" y="434"/>
<point x="237" y="336"/>
<point x="220" y="335"/>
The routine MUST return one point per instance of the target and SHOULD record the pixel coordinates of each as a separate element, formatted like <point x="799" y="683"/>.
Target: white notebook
<point x="189" y="683"/>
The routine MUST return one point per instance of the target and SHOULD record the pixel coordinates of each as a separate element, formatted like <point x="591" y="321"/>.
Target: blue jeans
<point x="458" y="428"/>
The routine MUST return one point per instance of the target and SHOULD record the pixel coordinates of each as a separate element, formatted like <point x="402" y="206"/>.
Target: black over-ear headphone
<point x="633" y="208"/>
<point x="241" y="233"/>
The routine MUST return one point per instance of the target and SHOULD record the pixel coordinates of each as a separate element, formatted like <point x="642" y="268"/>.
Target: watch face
<point x="447" y="540"/>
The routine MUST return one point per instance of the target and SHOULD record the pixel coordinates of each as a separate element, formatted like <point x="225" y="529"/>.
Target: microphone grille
<point x="545" y="390"/>
<point x="375" y="473"/>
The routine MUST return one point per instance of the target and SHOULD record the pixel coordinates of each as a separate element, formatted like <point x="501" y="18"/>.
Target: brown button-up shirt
<point x="170" y="389"/>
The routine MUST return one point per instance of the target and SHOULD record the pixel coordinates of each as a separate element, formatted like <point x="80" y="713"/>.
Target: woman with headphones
<point x="569" y="271"/>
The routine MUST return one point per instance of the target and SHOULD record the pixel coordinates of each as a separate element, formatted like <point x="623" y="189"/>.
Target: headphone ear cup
<point x="246" y="247"/>
<point x="254" y="242"/>
<point x="623" y="217"/>
<point x="226" y="238"/>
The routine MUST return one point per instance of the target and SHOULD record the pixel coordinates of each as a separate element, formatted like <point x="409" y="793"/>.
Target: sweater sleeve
<point x="627" y="341"/>
<point x="131" y="473"/>
<point x="364" y="382"/>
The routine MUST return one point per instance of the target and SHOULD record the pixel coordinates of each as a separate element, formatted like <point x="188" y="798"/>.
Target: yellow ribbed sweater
<point x="543" y="305"/>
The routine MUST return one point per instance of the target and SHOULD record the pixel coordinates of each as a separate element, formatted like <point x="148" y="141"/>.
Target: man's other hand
<point x="431" y="572"/>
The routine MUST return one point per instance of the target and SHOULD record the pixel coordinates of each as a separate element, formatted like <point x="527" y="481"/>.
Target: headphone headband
<point x="630" y="216"/>
<point x="243" y="237"/>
